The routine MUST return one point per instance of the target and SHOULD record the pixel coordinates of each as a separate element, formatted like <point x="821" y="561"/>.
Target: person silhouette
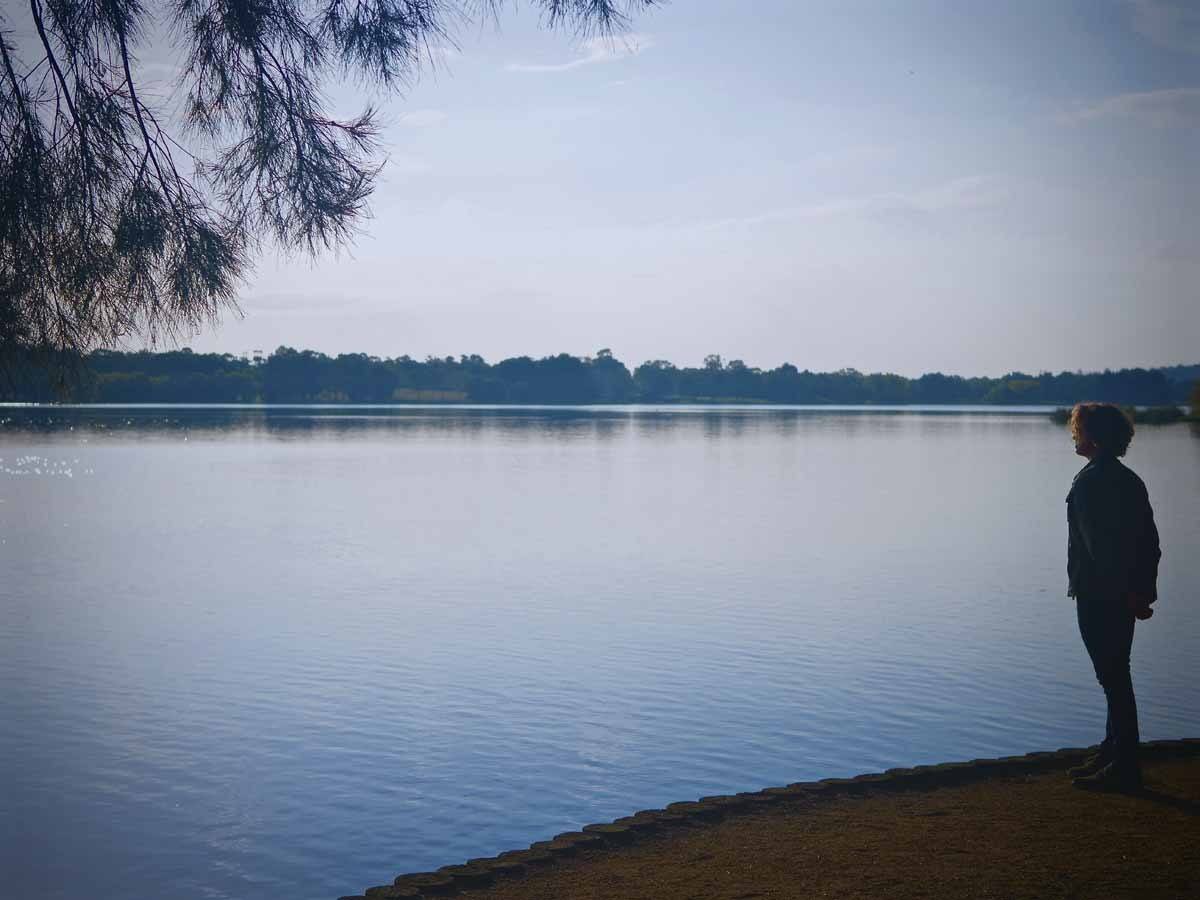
<point x="1112" y="571"/>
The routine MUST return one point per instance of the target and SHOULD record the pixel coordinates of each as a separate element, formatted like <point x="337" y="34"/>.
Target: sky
<point x="971" y="188"/>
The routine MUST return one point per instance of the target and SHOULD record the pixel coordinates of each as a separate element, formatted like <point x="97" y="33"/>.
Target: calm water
<point x="295" y="653"/>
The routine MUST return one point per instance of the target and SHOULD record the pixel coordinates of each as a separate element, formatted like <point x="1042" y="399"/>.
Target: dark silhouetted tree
<point x="611" y="381"/>
<point x="118" y="220"/>
<point x="656" y="380"/>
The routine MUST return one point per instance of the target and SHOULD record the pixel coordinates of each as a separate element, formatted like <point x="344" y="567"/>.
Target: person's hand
<point x="1139" y="604"/>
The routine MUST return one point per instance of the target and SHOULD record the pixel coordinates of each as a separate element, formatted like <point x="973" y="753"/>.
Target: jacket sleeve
<point x="1107" y="527"/>
<point x="1145" y="572"/>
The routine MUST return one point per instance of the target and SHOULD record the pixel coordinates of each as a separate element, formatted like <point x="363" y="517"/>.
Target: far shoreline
<point x="1152" y="415"/>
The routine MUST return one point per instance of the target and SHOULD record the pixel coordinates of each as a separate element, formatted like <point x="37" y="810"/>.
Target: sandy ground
<point x="1005" y="836"/>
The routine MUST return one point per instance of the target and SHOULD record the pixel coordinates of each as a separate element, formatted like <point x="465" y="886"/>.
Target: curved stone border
<point x="476" y="873"/>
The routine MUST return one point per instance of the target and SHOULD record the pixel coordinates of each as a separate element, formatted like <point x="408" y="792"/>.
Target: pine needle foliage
<point x="114" y="225"/>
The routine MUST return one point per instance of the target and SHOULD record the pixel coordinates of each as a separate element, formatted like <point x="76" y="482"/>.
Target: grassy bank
<point x="1013" y="827"/>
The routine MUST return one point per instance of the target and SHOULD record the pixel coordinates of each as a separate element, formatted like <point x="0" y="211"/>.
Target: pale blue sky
<point x="970" y="187"/>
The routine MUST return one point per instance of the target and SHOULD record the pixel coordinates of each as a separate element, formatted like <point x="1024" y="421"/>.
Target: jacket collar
<point x="1097" y="462"/>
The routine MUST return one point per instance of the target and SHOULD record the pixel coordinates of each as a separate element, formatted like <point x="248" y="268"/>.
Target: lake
<point x="296" y="651"/>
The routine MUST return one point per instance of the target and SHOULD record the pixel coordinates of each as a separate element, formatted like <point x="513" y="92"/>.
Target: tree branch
<point x="35" y="7"/>
<point x="137" y="105"/>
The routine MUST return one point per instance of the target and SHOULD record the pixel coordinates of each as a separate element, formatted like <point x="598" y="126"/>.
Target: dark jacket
<point x="1112" y="542"/>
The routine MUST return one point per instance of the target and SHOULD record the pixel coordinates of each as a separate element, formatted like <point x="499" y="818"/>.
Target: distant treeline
<point x="305" y="376"/>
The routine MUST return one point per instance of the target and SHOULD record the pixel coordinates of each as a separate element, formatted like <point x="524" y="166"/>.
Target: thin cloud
<point x="848" y="157"/>
<point x="423" y="118"/>
<point x="595" y="51"/>
<point x="1180" y="250"/>
<point x="1168" y="23"/>
<point x="294" y="303"/>
<point x="400" y="164"/>
<point x="968" y="193"/>
<point x="1170" y="106"/>
<point x="971" y="192"/>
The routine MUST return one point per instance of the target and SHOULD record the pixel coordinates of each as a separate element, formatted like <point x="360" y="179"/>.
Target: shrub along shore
<point x="305" y="376"/>
<point x="1010" y="827"/>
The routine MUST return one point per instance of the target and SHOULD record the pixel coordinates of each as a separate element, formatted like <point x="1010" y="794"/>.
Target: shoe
<point x="1112" y="777"/>
<point x="1091" y="765"/>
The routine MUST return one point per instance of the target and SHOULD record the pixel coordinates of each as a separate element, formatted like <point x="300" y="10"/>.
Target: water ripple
<point x="302" y="655"/>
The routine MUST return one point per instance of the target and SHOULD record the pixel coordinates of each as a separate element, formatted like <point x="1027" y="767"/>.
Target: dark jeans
<point x="1106" y="625"/>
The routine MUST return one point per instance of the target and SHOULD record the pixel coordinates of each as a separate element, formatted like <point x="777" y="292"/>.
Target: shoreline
<point x="652" y="835"/>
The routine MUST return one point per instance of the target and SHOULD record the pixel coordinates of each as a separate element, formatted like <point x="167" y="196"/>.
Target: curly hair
<point x="1107" y="426"/>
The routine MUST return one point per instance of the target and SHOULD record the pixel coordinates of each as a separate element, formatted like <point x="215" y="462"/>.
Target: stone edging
<point x="482" y="872"/>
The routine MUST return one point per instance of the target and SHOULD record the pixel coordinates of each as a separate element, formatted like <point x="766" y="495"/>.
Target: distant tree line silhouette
<point x="306" y="376"/>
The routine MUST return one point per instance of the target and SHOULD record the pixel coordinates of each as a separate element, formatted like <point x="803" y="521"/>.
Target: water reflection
<point x="604" y="423"/>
